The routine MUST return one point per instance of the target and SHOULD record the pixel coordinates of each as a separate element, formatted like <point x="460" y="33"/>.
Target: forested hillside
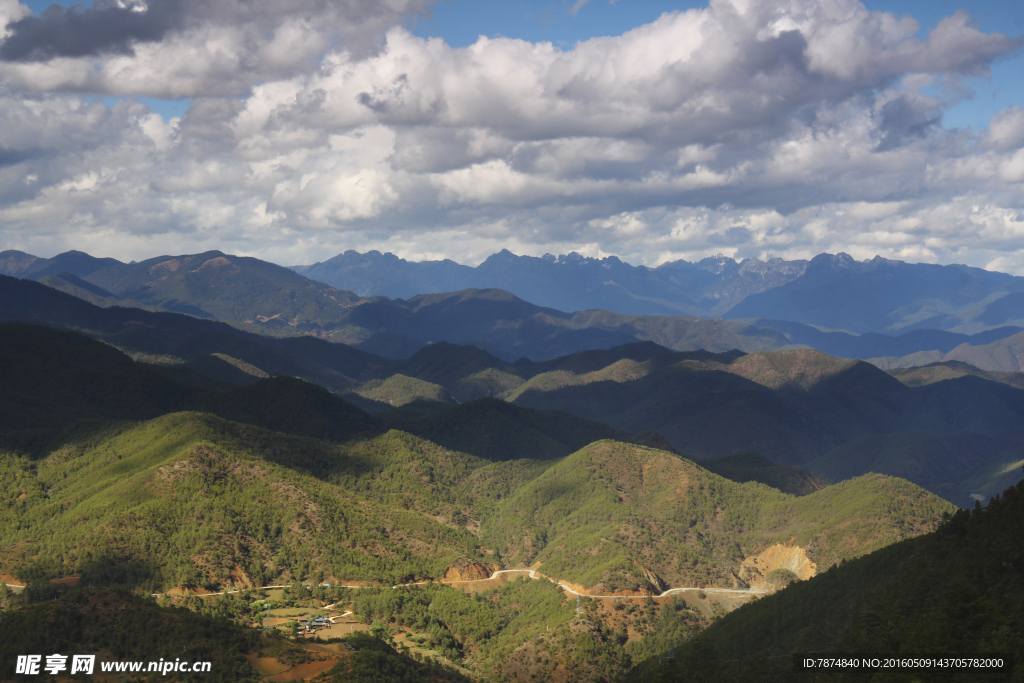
<point x="955" y="592"/>
<point x="155" y="452"/>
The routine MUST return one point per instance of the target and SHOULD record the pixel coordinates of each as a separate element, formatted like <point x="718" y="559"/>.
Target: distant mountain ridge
<point x="829" y="291"/>
<point x="261" y="297"/>
<point x="882" y="295"/>
<point x="569" y="282"/>
<point x="876" y="309"/>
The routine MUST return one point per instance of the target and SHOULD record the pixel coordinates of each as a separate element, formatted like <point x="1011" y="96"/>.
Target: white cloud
<point x="204" y="49"/>
<point x="761" y="128"/>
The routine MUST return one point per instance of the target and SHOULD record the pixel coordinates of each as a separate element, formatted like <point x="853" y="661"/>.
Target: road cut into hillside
<point x="534" y="574"/>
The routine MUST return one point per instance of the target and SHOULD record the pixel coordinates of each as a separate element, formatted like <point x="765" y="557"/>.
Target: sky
<point x="292" y="130"/>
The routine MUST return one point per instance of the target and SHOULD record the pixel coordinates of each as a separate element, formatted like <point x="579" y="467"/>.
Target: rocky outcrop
<point x="465" y="569"/>
<point x="792" y="557"/>
<point x="656" y="582"/>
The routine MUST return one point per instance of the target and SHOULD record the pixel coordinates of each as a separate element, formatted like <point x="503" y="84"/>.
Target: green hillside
<point x="241" y="290"/>
<point x="190" y="499"/>
<point x="149" y="478"/>
<point x="398" y="389"/>
<point x="466" y="371"/>
<point x="281" y="507"/>
<point x="953" y="592"/>
<point x="611" y="514"/>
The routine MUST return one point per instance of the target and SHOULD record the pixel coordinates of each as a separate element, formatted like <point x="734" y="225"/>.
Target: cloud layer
<point x="750" y="127"/>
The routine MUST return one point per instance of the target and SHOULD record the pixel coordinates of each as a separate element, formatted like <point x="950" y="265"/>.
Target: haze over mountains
<point x="193" y="423"/>
<point x="799" y="408"/>
<point x="874" y="309"/>
<point x="567" y="282"/>
<point x="831" y="291"/>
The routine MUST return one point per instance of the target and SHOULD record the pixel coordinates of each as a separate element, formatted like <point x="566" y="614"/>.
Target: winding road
<point x="532" y="573"/>
<point x="569" y="589"/>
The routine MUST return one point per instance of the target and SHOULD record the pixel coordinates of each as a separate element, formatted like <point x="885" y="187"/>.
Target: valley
<point x="505" y="492"/>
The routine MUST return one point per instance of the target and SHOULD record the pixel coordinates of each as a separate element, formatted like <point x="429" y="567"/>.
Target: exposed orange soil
<point x="271" y="669"/>
<point x="778" y="556"/>
<point x="487" y="584"/>
<point x="7" y="578"/>
<point x="303" y="671"/>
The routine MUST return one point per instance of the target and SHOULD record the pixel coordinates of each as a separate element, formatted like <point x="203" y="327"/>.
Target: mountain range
<point x="567" y="282"/>
<point x="192" y="423"/>
<point x="267" y="299"/>
<point x="828" y="291"/>
<point x="144" y="448"/>
<point x="793" y="407"/>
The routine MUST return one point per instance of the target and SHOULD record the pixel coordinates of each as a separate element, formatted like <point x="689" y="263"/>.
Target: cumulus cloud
<point x="186" y="48"/>
<point x="749" y="127"/>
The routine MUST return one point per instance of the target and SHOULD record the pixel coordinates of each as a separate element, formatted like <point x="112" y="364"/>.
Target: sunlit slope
<point x="951" y="369"/>
<point x="192" y="499"/>
<point x="612" y="514"/>
<point x="790" y="406"/>
<point x="397" y="390"/>
<point x="955" y="592"/>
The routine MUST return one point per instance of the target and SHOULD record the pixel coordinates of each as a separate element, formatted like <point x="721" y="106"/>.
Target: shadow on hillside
<point x="49" y="580"/>
<point x="36" y="444"/>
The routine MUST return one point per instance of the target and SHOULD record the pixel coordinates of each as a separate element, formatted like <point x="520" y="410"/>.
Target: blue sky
<point x="751" y="128"/>
<point x="461" y="22"/>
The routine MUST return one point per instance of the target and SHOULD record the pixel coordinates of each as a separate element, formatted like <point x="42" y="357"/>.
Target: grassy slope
<point x="190" y="498"/>
<point x="592" y="516"/>
<point x="397" y="390"/>
<point x="956" y="591"/>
